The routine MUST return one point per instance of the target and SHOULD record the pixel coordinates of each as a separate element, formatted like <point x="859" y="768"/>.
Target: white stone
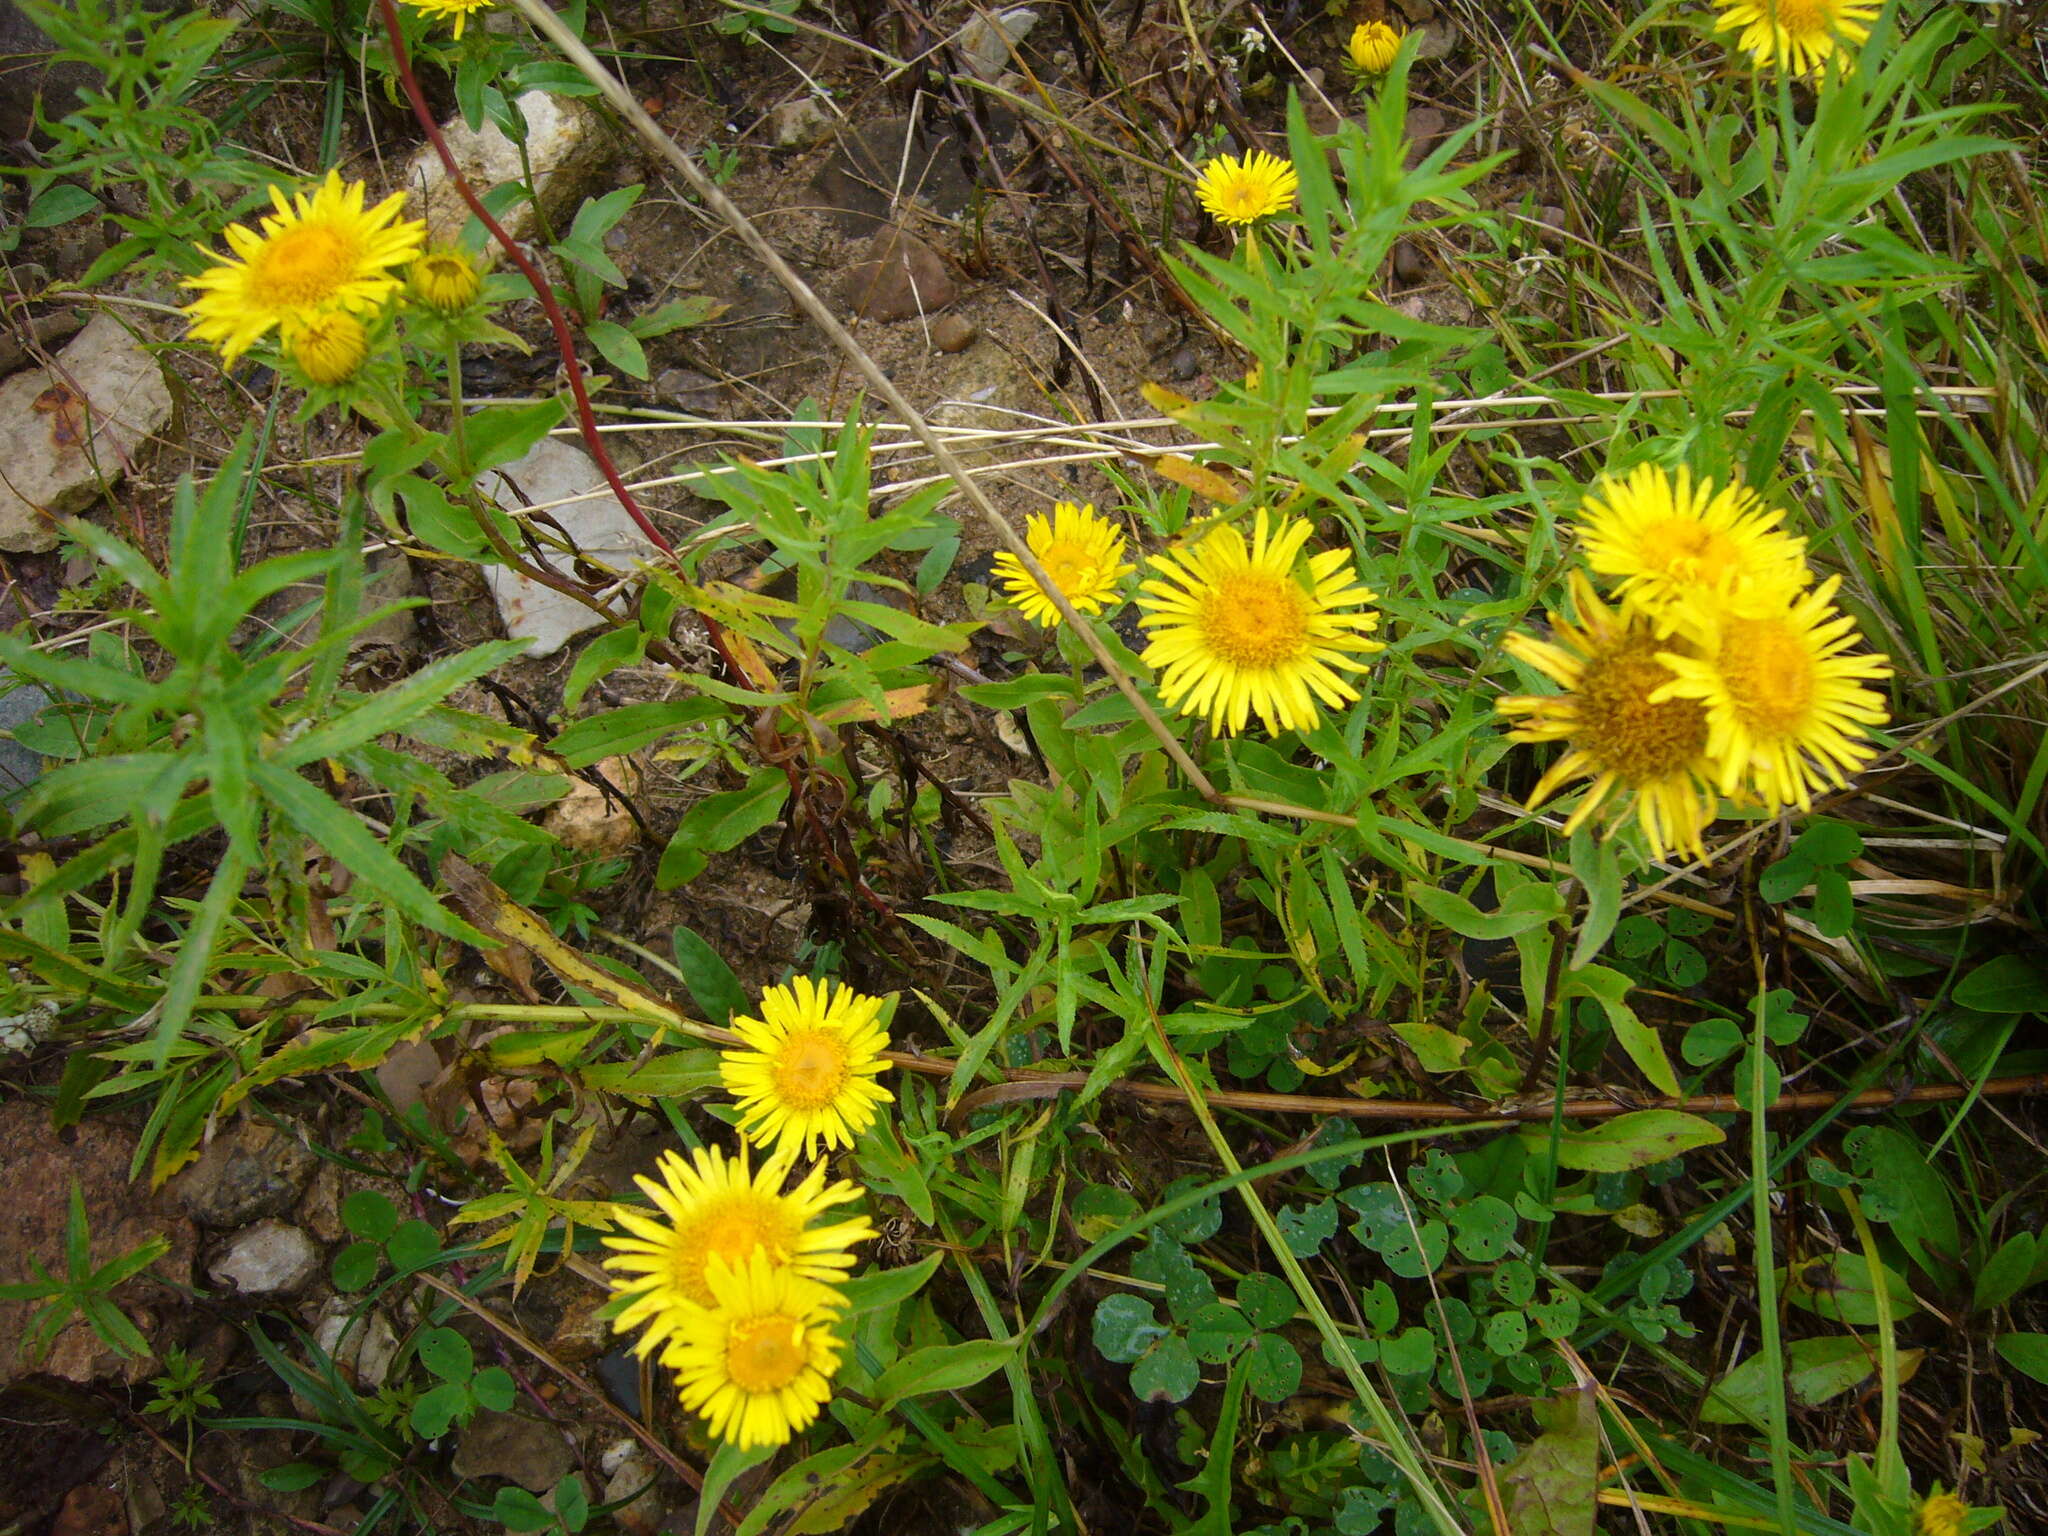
<point x="798" y="124"/>
<point x="986" y="41"/>
<point x="560" y="478"/>
<point x="567" y="146"/>
<point x="69" y="432"/>
<point x="365" y="1345"/>
<point x="271" y="1258"/>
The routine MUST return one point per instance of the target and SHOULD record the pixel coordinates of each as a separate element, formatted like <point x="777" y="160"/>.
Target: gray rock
<point x="985" y="43"/>
<point x="566" y="482"/>
<point x="19" y="767"/>
<point x="268" y="1259"/>
<point x="629" y="1472"/>
<point x="27" y="72"/>
<point x="252" y="1171"/>
<point x="512" y="1446"/>
<point x="364" y="1345"/>
<point x="878" y="164"/>
<point x="799" y="124"/>
<point x="902" y="278"/>
<point x="69" y="432"/>
<point x="567" y="146"/>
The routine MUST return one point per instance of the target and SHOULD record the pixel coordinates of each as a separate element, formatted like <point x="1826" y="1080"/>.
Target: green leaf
<point x="447" y="1354"/>
<point x="1784" y="879"/>
<point x="292" y="1477"/>
<point x="355" y="1267"/>
<point x="1307" y="1228"/>
<point x="1526" y="907"/>
<point x="727" y="1464"/>
<point x="619" y="731"/>
<point x="1610" y="988"/>
<point x="369" y="1215"/>
<point x="2006" y="1272"/>
<point x="1482" y="1228"/>
<point x="1168" y="1374"/>
<point x="501" y="433"/>
<point x="399" y="705"/>
<point x="1903" y="1191"/>
<point x="1815" y="1370"/>
<point x="493" y="1388"/>
<point x="1552" y="1486"/>
<point x="713" y="986"/>
<point x="437" y="1409"/>
<point x="1436" y="1048"/>
<point x="619" y="346"/>
<point x="59" y="204"/>
<point x="2004" y="984"/>
<point x="1634" y="1140"/>
<point x="342" y="833"/>
<point x="611" y="650"/>
<point x="413" y="1246"/>
<point x="941" y="1368"/>
<point x="1217" y="1332"/>
<point x="2025" y="1352"/>
<point x="1837" y="1287"/>
<point x="1272" y="1369"/>
<point x="517" y="1510"/>
<point x="1267" y="1300"/>
<point x="720" y="822"/>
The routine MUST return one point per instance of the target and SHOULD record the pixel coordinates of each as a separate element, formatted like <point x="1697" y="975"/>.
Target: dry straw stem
<point x="628" y="107"/>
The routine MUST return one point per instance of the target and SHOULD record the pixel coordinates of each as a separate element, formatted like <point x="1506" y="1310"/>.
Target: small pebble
<point x="1184" y="364"/>
<point x="954" y="333"/>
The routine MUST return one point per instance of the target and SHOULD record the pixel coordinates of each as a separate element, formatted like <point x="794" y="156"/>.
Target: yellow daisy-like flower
<point x="1800" y="36"/>
<point x="1666" y="536"/>
<point x="1373" y="46"/>
<point x="445" y="279"/>
<point x="1234" y="631"/>
<point x="1083" y="553"/>
<point x="1940" y="1514"/>
<point x="315" y="253"/>
<point x="714" y="1211"/>
<point x="807" y="1075"/>
<point x="1618" y="735"/>
<point x="1243" y="191"/>
<point x="758" y="1365"/>
<point x="461" y="10"/>
<point x="1787" y="712"/>
<point x="328" y="347"/>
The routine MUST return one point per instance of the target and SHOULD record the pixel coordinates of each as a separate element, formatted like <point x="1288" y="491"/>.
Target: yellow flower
<point x="1787" y="712"/>
<point x="1667" y="536"/>
<point x="1617" y="735"/>
<point x="445" y="279"/>
<point x="1235" y="631"/>
<point x="1373" y="46"/>
<point x="461" y="10"/>
<point x="758" y="1365"/>
<point x="314" y="254"/>
<point x="1941" y="1514"/>
<point x="717" y="1212"/>
<point x="807" y="1075"/>
<point x="1799" y="36"/>
<point x="1244" y="191"/>
<point x="1081" y="551"/>
<point x="328" y="347"/>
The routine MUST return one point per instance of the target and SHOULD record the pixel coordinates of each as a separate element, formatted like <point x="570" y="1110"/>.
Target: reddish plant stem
<point x="565" y="339"/>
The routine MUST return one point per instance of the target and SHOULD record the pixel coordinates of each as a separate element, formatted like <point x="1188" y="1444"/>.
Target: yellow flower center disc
<point x="302" y="266"/>
<point x="1070" y="566"/>
<point x="1800" y="17"/>
<point x="810" y="1068"/>
<point x="1685" y="551"/>
<point x="1621" y="729"/>
<point x="765" y="1354"/>
<point x="731" y="1228"/>
<point x="1254" y="620"/>
<point x="1767" y="668"/>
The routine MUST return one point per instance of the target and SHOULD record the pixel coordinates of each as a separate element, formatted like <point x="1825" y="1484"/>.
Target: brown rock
<point x="522" y="1450"/>
<point x="1424" y="127"/>
<point x="252" y="1171"/>
<point x="90" y="1510"/>
<point x="902" y="277"/>
<point x="593" y="822"/>
<point x="120" y="1216"/>
<point x="954" y="333"/>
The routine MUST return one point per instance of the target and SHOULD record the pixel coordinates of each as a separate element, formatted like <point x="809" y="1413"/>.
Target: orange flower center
<point x="1071" y="566"/>
<point x="1801" y="17"/>
<point x="1767" y="668"/>
<point x="1255" y="620"/>
<point x="731" y="1227"/>
<point x="810" y="1069"/>
<point x="304" y="266"/>
<point x="1687" y="551"/>
<point x="765" y="1354"/>
<point x="1621" y="729"/>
